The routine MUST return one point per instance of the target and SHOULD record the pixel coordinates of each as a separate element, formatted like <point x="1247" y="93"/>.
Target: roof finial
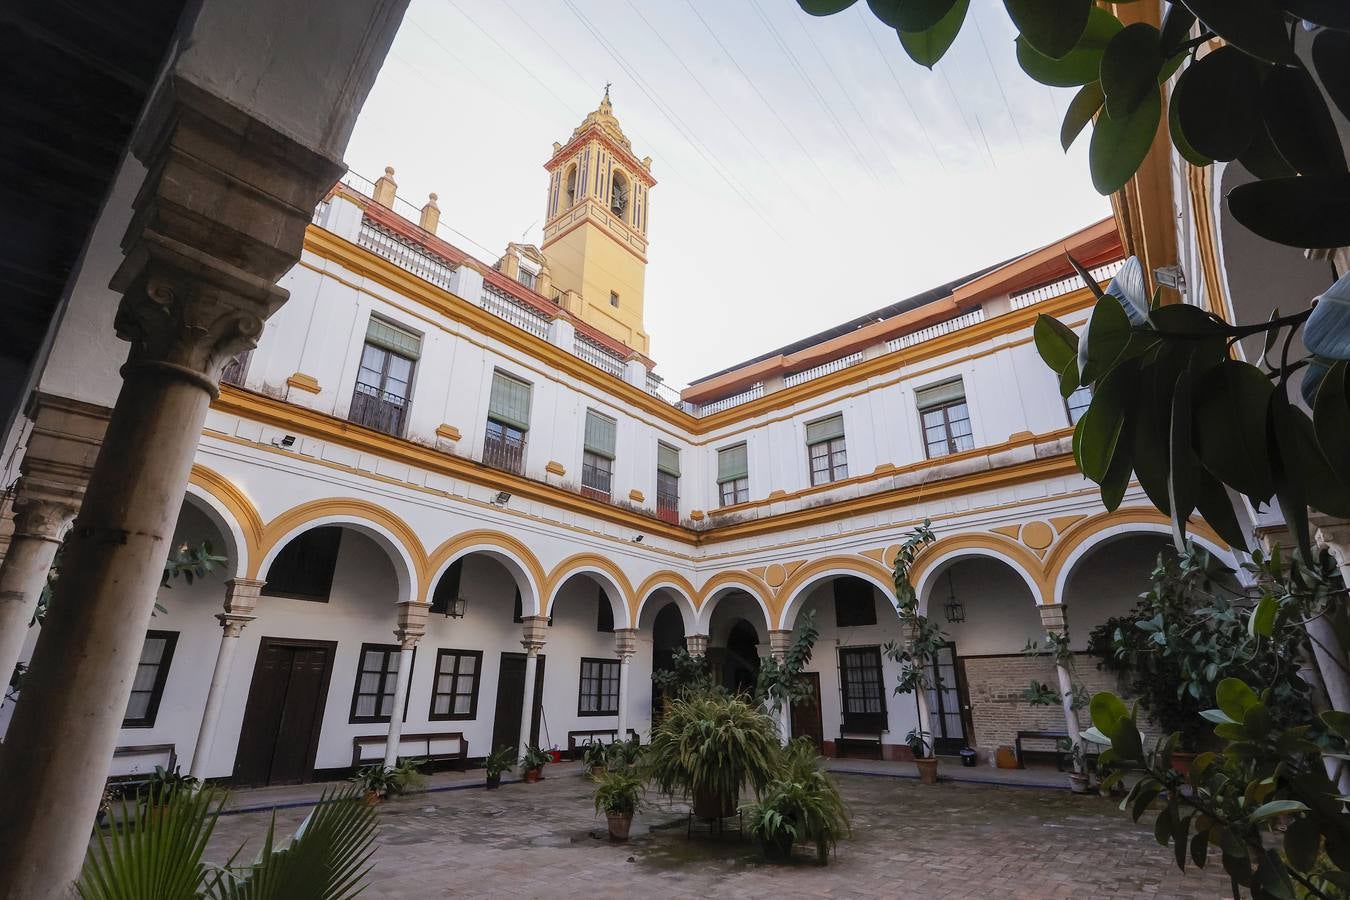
<point x="607" y="86"/>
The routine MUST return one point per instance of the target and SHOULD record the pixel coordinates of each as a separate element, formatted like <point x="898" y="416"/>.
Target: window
<point x="599" y="693"/>
<point x="597" y="458"/>
<point x="454" y="693"/>
<point x="854" y="604"/>
<point x="151" y="673"/>
<point x="526" y="277"/>
<point x="733" y="475"/>
<point x="571" y="185"/>
<point x="618" y="195"/>
<point x="1078" y="403"/>
<point x="236" y="369"/>
<point x="825" y="449"/>
<point x="945" y="418"/>
<point x="614" y="299"/>
<point x="380" y="400"/>
<point x="376" y="676"/>
<point x="508" y="422"/>
<point x="604" y="616"/>
<point x="303" y="570"/>
<point x="667" y="483"/>
<point x="864" y="702"/>
<point x="447" y="589"/>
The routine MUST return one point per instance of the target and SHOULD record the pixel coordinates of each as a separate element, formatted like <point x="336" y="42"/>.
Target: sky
<point x="808" y="171"/>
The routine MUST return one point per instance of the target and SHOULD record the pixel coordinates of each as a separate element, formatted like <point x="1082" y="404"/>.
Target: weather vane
<point x="607" y="84"/>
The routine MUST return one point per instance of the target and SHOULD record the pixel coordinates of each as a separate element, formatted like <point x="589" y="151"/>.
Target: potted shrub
<point x="618" y="796"/>
<point x="708" y="747"/>
<point x="533" y="762"/>
<point x="596" y="757"/>
<point x="375" y="782"/>
<point x="497" y="762"/>
<point x="162" y="786"/>
<point x="623" y="755"/>
<point x="801" y="804"/>
<point x="920" y="744"/>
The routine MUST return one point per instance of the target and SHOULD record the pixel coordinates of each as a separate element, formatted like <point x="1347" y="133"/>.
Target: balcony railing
<point x="662" y="391"/>
<point x="378" y="409"/>
<point x="833" y="365"/>
<point x="596" y="482"/>
<point x="668" y="507"/>
<point x="504" y="453"/>
<point x="407" y="255"/>
<point x="504" y="306"/>
<point x="1064" y="285"/>
<point x="597" y="356"/>
<point x="754" y="392"/>
<point x="974" y="317"/>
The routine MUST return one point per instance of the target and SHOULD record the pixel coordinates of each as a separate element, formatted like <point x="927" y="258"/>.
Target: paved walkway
<point x="953" y="840"/>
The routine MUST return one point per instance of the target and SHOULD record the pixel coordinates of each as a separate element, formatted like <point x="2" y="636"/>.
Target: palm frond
<point x="155" y="854"/>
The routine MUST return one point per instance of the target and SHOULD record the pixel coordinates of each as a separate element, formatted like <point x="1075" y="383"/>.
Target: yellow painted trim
<point x="348" y="508"/>
<point x="232" y="498"/>
<point x="1078" y="533"/>
<point x="302" y="382"/>
<point x="637" y="496"/>
<point x="1198" y="183"/>
<point x="984" y="541"/>
<point x="651" y="582"/>
<point x="449" y="432"/>
<point x="807" y="573"/>
<point x="555" y="468"/>
<point x="485" y="538"/>
<point x="741" y="579"/>
<point x="578" y="563"/>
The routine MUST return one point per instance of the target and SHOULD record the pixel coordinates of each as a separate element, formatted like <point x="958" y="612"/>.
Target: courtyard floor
<point x="953" y="840"/>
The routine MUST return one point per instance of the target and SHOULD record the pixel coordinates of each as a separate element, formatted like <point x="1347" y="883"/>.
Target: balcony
<point x="595" y="482"/>
<point x="505" y="453"/>
<point x="668" y="507"/>
<point x="377" y="409"/>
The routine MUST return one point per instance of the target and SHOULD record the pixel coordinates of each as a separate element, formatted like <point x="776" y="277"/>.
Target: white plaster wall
<point x="1001" y="614"/>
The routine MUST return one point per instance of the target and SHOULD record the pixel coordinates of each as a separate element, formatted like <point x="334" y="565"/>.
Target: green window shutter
<point x="825" y="429"/>
<point x="940" y="393"/>
<point x="600" y="433"/>
<point x="391" y="337"/>
<point x="668" y="459"/>
<point x="510" y="401"/>
<point x="732" y="463"/>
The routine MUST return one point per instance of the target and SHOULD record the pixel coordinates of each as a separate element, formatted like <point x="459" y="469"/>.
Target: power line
<point x="867" y="28"/>
<point x="998" y="81"/>
<point x="960" y="107"/>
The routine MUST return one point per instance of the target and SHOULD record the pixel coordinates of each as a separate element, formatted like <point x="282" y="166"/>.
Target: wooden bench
<point x="577" y="740"/>
<point x="132" y="766"/>
<point x="866" y="741"/>
<point x="434" y="746"/>
<point x="1041" y="736"/>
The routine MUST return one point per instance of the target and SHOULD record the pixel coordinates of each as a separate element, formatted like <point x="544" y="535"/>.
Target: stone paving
<point x="952" y="840"/>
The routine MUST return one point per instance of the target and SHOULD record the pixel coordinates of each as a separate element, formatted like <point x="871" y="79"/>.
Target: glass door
<point x="944" y="703"/>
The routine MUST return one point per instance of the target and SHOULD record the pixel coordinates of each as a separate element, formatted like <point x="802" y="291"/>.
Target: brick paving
<point x="952" y="840"/>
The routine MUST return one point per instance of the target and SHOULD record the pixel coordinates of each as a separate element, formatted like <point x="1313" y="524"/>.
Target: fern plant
<point x="800" y="805"/>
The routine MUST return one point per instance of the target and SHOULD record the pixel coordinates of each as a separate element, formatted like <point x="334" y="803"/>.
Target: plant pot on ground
<point x="1079" y="782"/>
<point x="379" y="782"/>
<point x="532" y="764"/>
<point x="497" y="762"/>
<point x="800" y="805"/>
<point x="618" y="796"/>
<point x="162" y="786"/>
<point x="920" y="745"/>
<point x="596" y="757"/>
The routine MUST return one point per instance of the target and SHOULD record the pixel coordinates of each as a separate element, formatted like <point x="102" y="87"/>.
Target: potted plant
<point x="596" y="756"/>
<point x="801" y="804"/>
<point x="1080" y="782"/>
<point x="623" y="755"/>
<point x="162" y="786"/>
<point x="375" y="782"/>
<point x="533" y="762"/>
<point x="497" y="762"/>
<point x="618" y="796"/>
<point x="708" y="747"/>
<point x="920" y="744"/>
<point x="554" y="754"/>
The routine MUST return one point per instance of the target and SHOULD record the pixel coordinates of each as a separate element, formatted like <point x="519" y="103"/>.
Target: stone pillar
<point x="412" y="625"/>
<point x="241" y="598"/>
<point x="39" y="522"/>
<point x="386" y="188"/>
<point x="1332" y="658"/>
<point x="779" y="641"/>
<point x="431" y="215"/>
<point x="625" y="645"/>
<point x="696" y="644"/>
<point x="221" y="217"/>
<point x="1054" y="621"/>
<point x="533" y="641"/>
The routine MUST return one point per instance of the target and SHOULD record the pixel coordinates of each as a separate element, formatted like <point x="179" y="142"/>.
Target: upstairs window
<point x="733" y="475"/>
<point x="571" y="186"/>
<point x="614" y="299"/>
<point x="526" y="277"/>
<point x="825" y="449"/>
<point x="597" y="458"/>
<point x="618" y="195"/>
<point x="380" y="400"/>
<point x="508" y="423"/>
<point x="1078" y="402"/>
<point x="151" y="674"/>
<point x="668" y="483"/>
<point x="945" y="417"/>
<point x="303" y="570"/>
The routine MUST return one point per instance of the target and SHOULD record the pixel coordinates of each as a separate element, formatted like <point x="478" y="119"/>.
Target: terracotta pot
<point x="1078" y="782"/>
<point x="927" y="770"/>
<point x="710" y="805"/>
<point x="494" y="781"/>
<point x="1181" y="761"/>
<point x="598" y="772"/>
<point x="533" y="775"/>
<point x="619" y="824"/>
<point x="373" y="798"/>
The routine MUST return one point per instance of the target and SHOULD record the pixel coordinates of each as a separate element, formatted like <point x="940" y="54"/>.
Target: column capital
<point x="412" y="623"/>
<point x="779" y="641"/>
<point x="241" y="595"/>
<point x="232" y="623"/>
<point x="625" y="643"/>
<point x="1334" y="535"/>
<point x="1053" y="617"/>
<point x="41" y="514"/>
<point x="532" y="633"/>
<point x="696" y="644"/>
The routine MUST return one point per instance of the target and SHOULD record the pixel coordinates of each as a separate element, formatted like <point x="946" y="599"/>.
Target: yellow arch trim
<point x="351" y="508"/>
<point x="739" y="579"/>
<point x="245" y="514"/>
<point x="666" y="575"/>
<point x="945" y="545"/>
<point x="570" y="566"/>
<point x="479" y="538"/>
<point x="857" y="564"/>
<point x="1084" y="530"/>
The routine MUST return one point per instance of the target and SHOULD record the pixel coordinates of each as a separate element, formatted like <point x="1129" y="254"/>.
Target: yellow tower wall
<point x="591" y="262"/>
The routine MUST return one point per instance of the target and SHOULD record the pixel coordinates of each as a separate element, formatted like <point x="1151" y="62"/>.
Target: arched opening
<point x="661" y="627"/>
<point x="738" y="633"/>
<point x="571" y="185"/>
<point x="618" y="195"/>
<point x="581" y="694"/>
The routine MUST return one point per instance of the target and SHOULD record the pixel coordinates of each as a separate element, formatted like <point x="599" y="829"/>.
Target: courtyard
<point x="952" y="840"/>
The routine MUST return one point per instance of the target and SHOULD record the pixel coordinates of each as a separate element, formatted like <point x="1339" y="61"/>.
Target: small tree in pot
<point x="497" y="762"/>
<point x="923" y="640"/>
<point x="618" y="796"/>
<point x="533" y="762"/>
<point x="920" y="744"/>
<point x="596" y="757"/>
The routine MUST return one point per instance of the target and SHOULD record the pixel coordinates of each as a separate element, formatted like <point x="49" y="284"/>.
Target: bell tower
<point x="595" y="225"/>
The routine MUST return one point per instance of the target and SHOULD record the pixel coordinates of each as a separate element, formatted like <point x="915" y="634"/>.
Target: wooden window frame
<point x="161" y="678"/>
<point x="738" y="489"/>
<point x="436" y="674"/>
<point x="945" y="408"/>
<point x="592" y="463"/>
<point x="833" y="471"/>
<point x="668" y="501"/>
<point x="600" y="679"/>
<point x="390" y="651"/>
<point x="882" y="718"/>
<point x="404" y="400"/>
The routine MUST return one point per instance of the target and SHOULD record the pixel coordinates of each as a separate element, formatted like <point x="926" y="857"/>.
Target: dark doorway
<point x="667" y="637"/>
<point x="946" y="714"/>
<point x="510" y="691"/>
<point x="741" y="665"/>
<point x="806" y="720"/>
<point x="284" y="712"/>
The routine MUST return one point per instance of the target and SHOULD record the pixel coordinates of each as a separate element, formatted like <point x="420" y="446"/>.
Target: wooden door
<point x="806" y="721"/>
<point x="284" y="713"/>
<point x="510" y="695"/>
<point x="945" y="715"/>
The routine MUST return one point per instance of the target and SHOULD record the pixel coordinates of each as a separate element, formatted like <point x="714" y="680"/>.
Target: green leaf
<point x="1183" y="471"/>
<point x="1150" y="433"/>
<point x="1299" y="121"/>
<point x="1130" y="67"/>
<point x="888" y="11"/>
<point x="1302" y="843"/>
<point x="1261" y="157"/>
<point x="1107" y="333"/>
<point x="1188" y="153"/>
<point x="1051" y="27"/>
<point x="1262" y="622"/>
<point x="1176" y="27"/>
<point x="1231" y="405"/>
<point x="930" y="45"/>
<point x="1331" y="13"/>
<point x="1081" y="64"/>
<point x="1098" y="433"/>
<point x="1311" y="211"/>
<point x="1184" y="320"/>
<point x="1086" y="276"/>
<point x="1055" y="342"/>
<point x="1331" y="58"/>
<point x="911" y="15"/>
<point x="1217" y="716"/>
<point x="1106" y="710"/>
<point x="1215" y="506"/>
<point x="1327" y="332"/>
<point x="1082" y="108"/>
<point x="1119" y="144"/>
<point x="824" y="7"/>
<point x="1235" y="698"/>
<point x="1331" y="413"/>
<point x="1325" y="487"/>
<point x="1289" y="490"/>
<point x="1200" y="849"/>
<point x="1338" y="721"/>
<point x="1217" y="100"/>
<point x="1255" y="26"/>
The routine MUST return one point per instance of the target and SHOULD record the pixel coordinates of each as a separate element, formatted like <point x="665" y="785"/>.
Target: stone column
<point x="696" y="644"/>
<point x="779" y="641"/>
<point x="533" y="641"/>
<point x="412" y="625"/>
<point x="1332" y="658"/>
<point x="241" y="598"/>
<point x="220" y="218"/>
<point x="39" y="521"/>
<point x="1054" y="621"/>
<point x="625" y="645"/>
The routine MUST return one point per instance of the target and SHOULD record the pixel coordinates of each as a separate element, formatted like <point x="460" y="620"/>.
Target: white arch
<point x="704" y="622"/>
<point x="798" y="597"/>
<point x="514" y="565"/>
<point x="669" y="591"/>
<point x="405" y="570"/>
<point x="613" y="592"/>
<point x="236" y="545"/>
<point x="1126" y="529"/>
<point x="943" y="561"/>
